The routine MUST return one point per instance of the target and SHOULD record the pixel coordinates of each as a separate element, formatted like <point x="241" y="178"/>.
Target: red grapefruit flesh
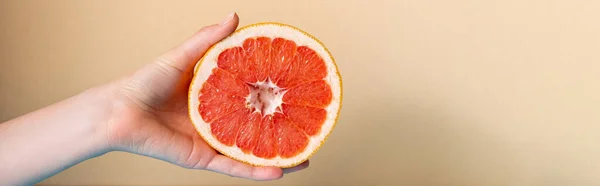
<point x="267" y="95"/>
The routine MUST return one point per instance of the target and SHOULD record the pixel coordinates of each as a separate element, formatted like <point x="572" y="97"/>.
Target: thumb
<point x="156" y="82"/>
<point x="190" y="51"/>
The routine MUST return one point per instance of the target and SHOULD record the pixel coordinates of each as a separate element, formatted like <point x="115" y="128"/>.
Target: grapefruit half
<point x="269" y="94"/>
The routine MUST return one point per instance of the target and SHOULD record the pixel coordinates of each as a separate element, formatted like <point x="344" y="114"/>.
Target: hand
<point x="150" y="116"/>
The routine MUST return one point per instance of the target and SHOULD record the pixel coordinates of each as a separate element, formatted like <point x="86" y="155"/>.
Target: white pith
<point x="268" y="30"/>
<point x="265" y="97"/>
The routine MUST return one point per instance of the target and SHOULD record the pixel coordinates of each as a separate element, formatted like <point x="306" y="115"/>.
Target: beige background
<point x="437" y="92"/>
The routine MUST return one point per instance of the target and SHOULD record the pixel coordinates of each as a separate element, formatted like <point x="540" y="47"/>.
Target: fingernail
<point x="228" y="19"/>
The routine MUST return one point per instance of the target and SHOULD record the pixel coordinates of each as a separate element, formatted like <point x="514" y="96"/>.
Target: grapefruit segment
<point x="226" y="128"/>
<point x="309" y="119"/>
<point x="234" y="61"/>
<point x="267" y="95"/>
<point x="266" y="147"/>
<point x="306" y="66"/>
<point x="315" y="94"/>
<point x="214" y="103"/>
<point x="258" y="51"/>
<point x="225" y="81"/>
<point x="311" y="65"/>
<point x="247" y="137"/>
<point x="290" y="139"/>
<point x="282" y="54"/>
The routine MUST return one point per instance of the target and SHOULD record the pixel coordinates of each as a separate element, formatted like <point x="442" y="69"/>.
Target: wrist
<point x="100" y="111"/>
<point x="115" y="129"/>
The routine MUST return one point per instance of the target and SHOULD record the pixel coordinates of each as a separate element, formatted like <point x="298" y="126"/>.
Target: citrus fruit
<point x="269" y="94"/>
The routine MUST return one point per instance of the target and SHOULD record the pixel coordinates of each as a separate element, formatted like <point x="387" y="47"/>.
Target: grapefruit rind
<point x="270" y="29"/>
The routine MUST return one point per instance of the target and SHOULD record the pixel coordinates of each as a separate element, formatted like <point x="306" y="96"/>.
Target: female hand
<point x="150" y="115"/>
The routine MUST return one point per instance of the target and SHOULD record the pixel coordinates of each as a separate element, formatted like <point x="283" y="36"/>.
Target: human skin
<point x="143" y="113"/>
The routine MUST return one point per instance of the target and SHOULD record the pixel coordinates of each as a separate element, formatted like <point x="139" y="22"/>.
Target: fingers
<point x="302" y="166"/>
<point x="228" y="166"/>
<point x="190" y="51"/>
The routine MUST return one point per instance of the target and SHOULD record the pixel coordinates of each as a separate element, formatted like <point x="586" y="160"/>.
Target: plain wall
<point x="436" y="92"/>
